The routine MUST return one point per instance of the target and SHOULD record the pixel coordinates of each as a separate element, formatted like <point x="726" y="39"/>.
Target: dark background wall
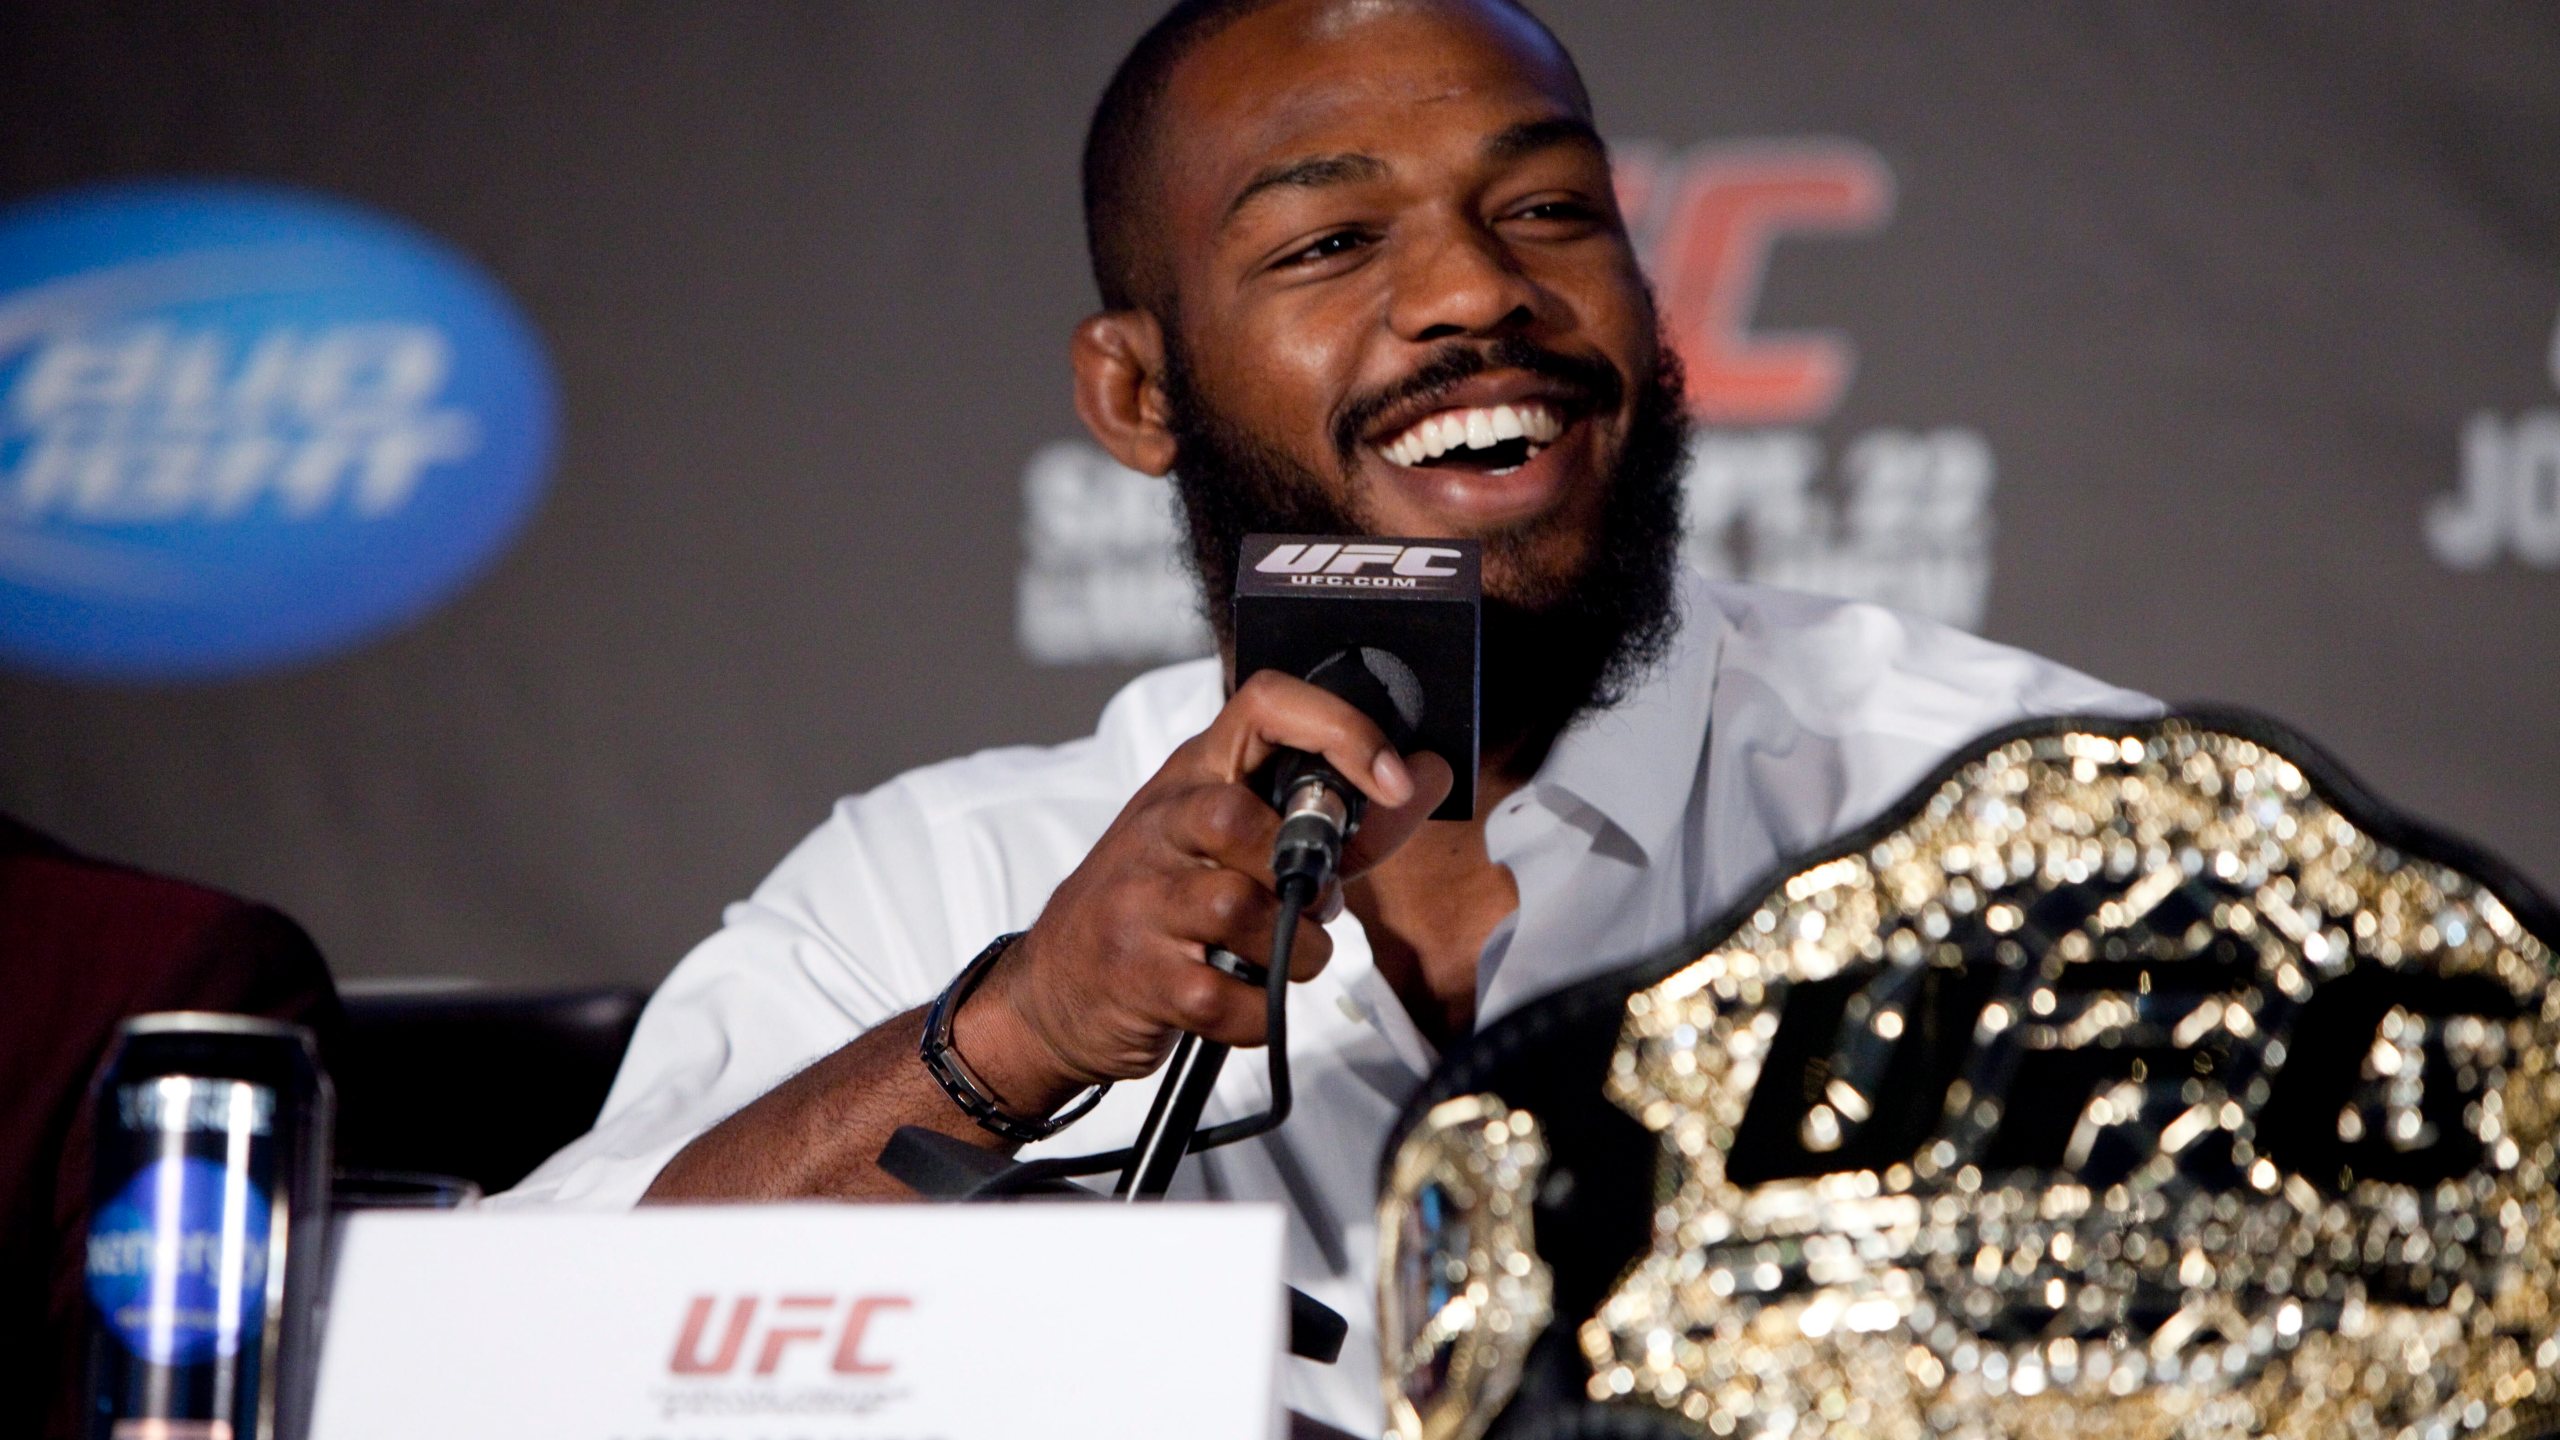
<point x="2166" y="327"/>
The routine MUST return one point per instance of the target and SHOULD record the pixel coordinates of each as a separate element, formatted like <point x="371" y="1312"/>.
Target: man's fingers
<point x="1241" y="914"/>
<point x="1227" y="825"/>
<point x="1187" y="866"/>
<point x="1385" y="828"/>
<point x="1270" y="711"/>
<point x="1215" y="1005"/>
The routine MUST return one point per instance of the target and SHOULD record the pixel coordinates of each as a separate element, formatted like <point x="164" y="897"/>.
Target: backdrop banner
<point x="486" y="480"/>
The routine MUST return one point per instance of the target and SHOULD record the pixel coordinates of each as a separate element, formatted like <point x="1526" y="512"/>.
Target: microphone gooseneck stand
<point x="1172" y="1129"/>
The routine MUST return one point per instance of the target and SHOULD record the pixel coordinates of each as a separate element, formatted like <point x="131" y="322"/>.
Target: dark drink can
<point x="208" y="1222"/>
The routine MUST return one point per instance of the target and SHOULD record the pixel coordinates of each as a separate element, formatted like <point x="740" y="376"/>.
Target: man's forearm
<point x="820" y="1133"/>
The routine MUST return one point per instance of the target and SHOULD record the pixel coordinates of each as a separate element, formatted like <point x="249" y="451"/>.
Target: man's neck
<point x="1431" y="906"/>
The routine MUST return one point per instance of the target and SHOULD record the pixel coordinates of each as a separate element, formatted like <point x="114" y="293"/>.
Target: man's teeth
<point x="1481" y="428"/>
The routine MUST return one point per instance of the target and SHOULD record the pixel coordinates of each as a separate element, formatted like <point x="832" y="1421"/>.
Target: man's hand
<point x="1114" y="968"/>
<point x="1098" y="987"/>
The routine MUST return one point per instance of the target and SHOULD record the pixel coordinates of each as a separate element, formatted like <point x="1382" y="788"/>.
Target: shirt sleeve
<point x="847" y="932"/>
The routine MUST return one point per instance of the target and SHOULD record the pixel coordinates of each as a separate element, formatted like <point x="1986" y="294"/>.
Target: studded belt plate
<point x="2129" y="1082"/>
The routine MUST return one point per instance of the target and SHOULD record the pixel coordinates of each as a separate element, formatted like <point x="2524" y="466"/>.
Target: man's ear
<point x="1119" y="365"/>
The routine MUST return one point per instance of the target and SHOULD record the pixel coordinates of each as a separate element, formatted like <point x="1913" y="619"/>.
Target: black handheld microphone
<point x="1391" y="626"/>
<point x="1319" y="809"/>
<point x="1319" y="606"/>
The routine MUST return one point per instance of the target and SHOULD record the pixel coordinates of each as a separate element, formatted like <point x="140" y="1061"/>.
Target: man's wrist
<point x="1005" y="1052"/>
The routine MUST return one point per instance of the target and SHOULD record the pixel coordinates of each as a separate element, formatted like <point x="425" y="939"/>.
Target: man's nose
<point x="1458" y="279"/>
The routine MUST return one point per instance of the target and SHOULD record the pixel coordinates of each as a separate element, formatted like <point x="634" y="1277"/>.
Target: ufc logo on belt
<point x="2093" y="1065"/>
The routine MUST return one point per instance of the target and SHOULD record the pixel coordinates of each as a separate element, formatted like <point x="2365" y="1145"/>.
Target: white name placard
<point x="806" y="1322"/>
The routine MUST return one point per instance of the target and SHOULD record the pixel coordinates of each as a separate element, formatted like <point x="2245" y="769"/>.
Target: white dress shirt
<point x="1777" y="722"/>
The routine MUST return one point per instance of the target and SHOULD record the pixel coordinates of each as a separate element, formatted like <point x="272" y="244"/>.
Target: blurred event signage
<point x="2202" y="348"/>
<point x="2508" y="501"/>
<point x="1893" y="514"/>
<point x="812" y="1321"/>
<point x="244" y="426"/>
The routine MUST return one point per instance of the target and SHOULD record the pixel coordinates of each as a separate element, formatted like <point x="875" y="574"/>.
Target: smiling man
<point x="1362" y="271"/>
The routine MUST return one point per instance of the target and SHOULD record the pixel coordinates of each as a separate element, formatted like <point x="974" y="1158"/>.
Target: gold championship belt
<point x="2128" y="1081"/>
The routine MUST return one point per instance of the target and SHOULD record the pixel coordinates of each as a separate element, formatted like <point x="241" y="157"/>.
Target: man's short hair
<point x="1119" y="143"/>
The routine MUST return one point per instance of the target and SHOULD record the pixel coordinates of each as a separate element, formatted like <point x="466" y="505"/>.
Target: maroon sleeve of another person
<point x="83" y="944"/>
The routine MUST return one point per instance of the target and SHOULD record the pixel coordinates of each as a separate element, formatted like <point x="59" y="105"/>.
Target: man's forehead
<point x="1305" y="73"/>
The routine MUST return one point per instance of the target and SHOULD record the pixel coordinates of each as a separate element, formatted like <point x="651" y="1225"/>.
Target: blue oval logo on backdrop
<point x="242" y="426"/>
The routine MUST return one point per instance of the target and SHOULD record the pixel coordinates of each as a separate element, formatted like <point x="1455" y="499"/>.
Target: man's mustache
<point x="1586" y="384"/>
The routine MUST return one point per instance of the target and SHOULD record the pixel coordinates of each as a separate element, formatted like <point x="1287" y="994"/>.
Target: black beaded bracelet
<point x="942" y="1061"/>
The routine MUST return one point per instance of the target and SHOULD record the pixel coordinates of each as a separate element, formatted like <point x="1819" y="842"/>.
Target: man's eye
<point x="1575" y="212"/>
<point x="1326" y="247"/>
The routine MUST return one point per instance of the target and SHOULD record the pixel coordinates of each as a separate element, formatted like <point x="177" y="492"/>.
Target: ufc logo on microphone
<point x="763" y="1332"/>
<point x="1330" y="558"/>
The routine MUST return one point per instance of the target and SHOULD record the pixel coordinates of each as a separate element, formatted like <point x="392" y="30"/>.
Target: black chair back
<point x="481" y="1084"/>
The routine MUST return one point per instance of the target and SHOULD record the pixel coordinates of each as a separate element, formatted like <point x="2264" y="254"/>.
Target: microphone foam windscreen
<point x="1379" y="684"/>
<point x="1404" y="688"/>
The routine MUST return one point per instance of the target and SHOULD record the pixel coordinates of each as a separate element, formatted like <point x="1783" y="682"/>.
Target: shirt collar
<point x="1636" y="763"/>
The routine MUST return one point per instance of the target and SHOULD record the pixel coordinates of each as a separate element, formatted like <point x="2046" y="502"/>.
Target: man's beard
<point x="1555" y="645"/>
